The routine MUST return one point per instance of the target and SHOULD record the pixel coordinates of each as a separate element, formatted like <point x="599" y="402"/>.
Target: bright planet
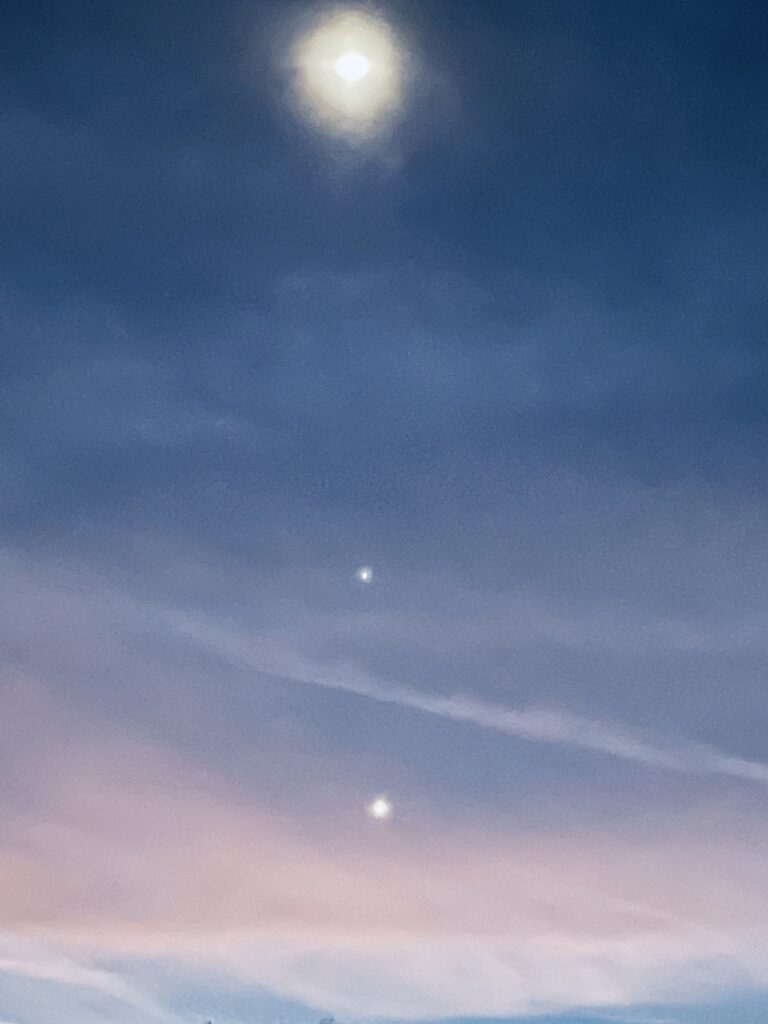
<point x="380" y="808"/>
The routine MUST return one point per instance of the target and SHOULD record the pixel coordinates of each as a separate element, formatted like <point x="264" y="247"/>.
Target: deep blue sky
<point x="511" y="353"/>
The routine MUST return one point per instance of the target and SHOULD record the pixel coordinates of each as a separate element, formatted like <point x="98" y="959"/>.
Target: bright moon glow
<point x="352" y="66"/>
<point x="365" y="574"/>
<point x="349" y="73"/>
<point x="380" y="808"/>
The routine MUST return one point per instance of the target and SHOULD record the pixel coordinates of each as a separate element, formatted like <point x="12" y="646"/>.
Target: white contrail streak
<point x="530" y="724"/>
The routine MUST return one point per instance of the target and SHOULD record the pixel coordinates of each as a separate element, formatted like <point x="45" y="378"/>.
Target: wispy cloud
<point x="55" y="980"/>
<point x="259" y="655"/>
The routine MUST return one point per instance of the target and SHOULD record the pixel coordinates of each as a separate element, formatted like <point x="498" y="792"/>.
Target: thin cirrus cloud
<point x="261" y="653"/>
<point x="531" y="724"/>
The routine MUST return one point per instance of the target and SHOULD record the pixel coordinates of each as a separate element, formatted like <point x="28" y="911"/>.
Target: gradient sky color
<point x="510" y="352"/>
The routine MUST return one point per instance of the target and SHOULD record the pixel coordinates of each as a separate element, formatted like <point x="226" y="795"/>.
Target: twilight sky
<point x="504" y="343"/>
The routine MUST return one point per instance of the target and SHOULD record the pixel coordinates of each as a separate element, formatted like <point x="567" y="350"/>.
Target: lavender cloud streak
<point x="534" y="724"/>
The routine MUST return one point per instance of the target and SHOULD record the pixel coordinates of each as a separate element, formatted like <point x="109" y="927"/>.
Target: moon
<point x="380" y="808"/>
<point x="348" y="73"/>
<point x="352" y="66"/>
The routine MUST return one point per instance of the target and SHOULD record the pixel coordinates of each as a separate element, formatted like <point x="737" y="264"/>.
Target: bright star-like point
<point x="348" y="73"/>
<point x="380" y="808"/>
<point x="365" y="574"/>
